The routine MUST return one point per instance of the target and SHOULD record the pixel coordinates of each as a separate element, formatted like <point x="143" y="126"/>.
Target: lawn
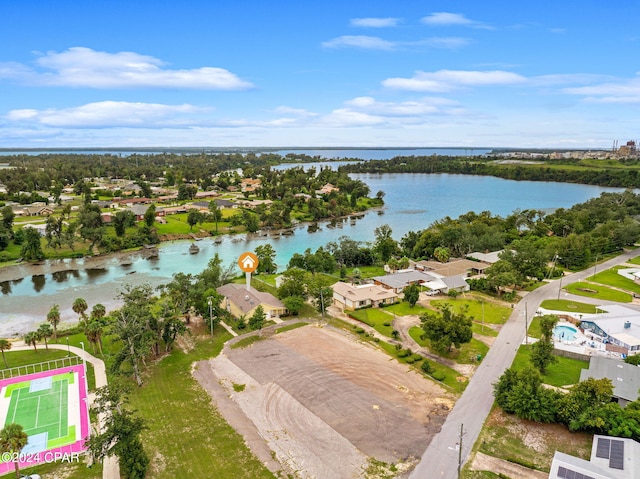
<point x="562" y="372"/>
<point x="374" y="317"/>
<point x="186" y="435"/>
<point x="593" y="290"/>
<point x="404" y="309"/>
<point x="611" y="277"/>
<point x="367" y="271"/>
<point x="635" y="260"/>
<point x="566" y="305"/>
<point x="477" y="309"/>
<point x="467" y="354"/>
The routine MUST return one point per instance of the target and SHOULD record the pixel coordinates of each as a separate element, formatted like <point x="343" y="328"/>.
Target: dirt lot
<point x="324" y="402"/>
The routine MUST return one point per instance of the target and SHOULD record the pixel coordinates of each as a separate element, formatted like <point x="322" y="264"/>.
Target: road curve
<point x="440" y="459"/>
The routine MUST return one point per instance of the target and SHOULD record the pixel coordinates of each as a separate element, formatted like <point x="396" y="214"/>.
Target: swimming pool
<point x="564" y="333"/>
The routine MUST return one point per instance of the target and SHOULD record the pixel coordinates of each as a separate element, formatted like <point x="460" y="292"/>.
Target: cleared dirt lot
<point x="324" y="402"/>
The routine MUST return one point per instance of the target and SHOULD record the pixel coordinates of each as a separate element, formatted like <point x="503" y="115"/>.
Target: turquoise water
<point x="413" y="202"/>
<point x="564" y="333"/>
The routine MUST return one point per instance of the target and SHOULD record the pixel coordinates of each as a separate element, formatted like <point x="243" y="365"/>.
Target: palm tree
<point x="12" y="441"/>
<point x="93" y="331"/>
<point x="53" y="316"/>
<point x="31" y="339"/>
<point x="5" y="346"/>
<point x="79" y="307"/>
<point x="98" y="311"/>
<point x="45" y="331"/>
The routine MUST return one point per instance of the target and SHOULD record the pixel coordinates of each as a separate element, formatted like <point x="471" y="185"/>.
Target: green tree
<point x="266" y="259"/>
<point x="91" y="224"/>
<point x="121" y="220"/>
<point x="294" y="283"/>
<point x="194" y="217"/>
<point x="94" y="330"/>
<point x="45" y="331"/>
<point x="215" y="213"/>
<point x="7" y="218"/>
<point x="384" y="244"/>
<point x="447" y="328"/>
<point x="53" y="316"/>
<point x="542" y="355"/>
<point x="293" y="304"/>
<point x="501" y="274"/>
<point x="411" y="294"/>
<point x="32" y="246"/>
<point x="585" y="398"/>
<point x="442" y="254"/>
<point x="4" y="346"/>
<point x="98" y="311"/>
<point x="80" y="307"/>
<point x="31" y="339"/>
<point x="173" y="328"/>
<point x="150" y="216"/>
<point x="131" y="328"/>
<point x="257" y="319"/>
<point x="120" y="434"/>
<point x="12" y="440"/>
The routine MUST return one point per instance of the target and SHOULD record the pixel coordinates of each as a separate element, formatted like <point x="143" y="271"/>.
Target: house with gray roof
<point x="624" y="377"/>
<point x="611" y="458"/>
<point x="617" y="326"/>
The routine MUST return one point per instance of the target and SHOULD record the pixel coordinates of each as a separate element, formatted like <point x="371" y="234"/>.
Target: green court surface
<point x="41" y="406"/>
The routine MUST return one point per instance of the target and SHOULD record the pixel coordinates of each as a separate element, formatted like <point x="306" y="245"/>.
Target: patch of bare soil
<point x="325" y="403"/>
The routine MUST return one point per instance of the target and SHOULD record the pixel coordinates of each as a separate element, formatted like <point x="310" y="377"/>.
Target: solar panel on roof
<point x="616" y="459"/>
<point x="603" y="447"/>
<point x="564" y="473"/>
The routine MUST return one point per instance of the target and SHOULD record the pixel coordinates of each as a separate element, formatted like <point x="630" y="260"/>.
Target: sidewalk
<point x="110" y="466"/>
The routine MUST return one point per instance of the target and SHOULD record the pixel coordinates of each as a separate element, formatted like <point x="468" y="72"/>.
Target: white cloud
<point x="425" y="106"/>
<point x="108" y="114"/>
<point x="301" y="112"/>
<point x="360" y="41"/>
<point x="84" y="67"/>
<point x="451" y="19"/>
<point x="374" y="22"/>
<point x="446" y="42"/>
<point x="614" y="91"/>
<point x="447" y="80"/>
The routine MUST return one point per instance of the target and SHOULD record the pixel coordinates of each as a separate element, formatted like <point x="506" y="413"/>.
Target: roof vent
<point x="246" y="298"/>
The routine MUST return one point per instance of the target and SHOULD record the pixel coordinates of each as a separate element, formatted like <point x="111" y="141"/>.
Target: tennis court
<point x="52" y="409"/>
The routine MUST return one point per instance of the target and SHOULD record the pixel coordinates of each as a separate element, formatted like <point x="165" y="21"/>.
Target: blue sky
<point x="116" y="73"/>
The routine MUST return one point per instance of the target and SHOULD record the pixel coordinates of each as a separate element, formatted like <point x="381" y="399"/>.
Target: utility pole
<point x="210" y="303"/>
<point x="560" y="287"/>
<point x="526" y="325"/>
<point x="460" y="450"/>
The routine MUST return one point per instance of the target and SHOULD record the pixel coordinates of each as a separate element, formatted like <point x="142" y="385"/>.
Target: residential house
<point x="240" y="301"/>
<point x="41" y="228"/>
<point x="490" y="258"/>
<point x="399" y="280"/>
<point x="250" y="184"/>
<point x="616" y="326"/>
<point x="453" y="267"/>
<point x="624" y="377"/>
<point x="140" y="210"/>
<point x="611" y="458"/>
<point x="206" y="194"/>
<point x="326" y="189"/>
<point x="349" y="296"/>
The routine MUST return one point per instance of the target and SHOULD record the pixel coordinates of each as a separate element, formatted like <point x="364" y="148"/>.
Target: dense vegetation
<point x="622" y="173"/>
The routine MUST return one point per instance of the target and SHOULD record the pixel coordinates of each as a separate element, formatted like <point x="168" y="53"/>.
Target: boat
<point x="194" y="248"/>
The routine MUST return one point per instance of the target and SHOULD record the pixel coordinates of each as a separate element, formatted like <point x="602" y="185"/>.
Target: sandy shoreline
<point x="25" y="270"/>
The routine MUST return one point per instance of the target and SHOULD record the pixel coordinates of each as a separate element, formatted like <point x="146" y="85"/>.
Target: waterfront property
<point x="349" y="296"/>
<point x="399" y="280"/>
<point x="624" y="377"/>
<point x="611" y="458"/>
<point x="240" y="301"/>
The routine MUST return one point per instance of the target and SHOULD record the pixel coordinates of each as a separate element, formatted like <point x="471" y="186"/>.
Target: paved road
<point x="440" y="460"/>
<point x="110" y="466"/>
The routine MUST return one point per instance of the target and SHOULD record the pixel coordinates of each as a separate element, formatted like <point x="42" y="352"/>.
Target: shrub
<point x="426" y="367"/>
<point x="387" y="323"/>
<point x="438" y="375"/>
<point x="403" y="353"/>
<point x="416" y="357"/>
<point x="359" y="330"/>
<point x="410" y="360"/>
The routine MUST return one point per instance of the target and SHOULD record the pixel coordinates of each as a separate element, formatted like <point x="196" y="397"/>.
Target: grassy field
<point x="593" y="290"/>
<point x="610" y="277"/>
<point x="562" y="372"/>
<point x="635" y="260"/>
<point x="186" y="436"/>
<point x="404" y="309"/>
<point x="374" y="317"/>
<point x="467" y="354"/>
<point x="493" y="313"/>
<point x="566" y="305"/>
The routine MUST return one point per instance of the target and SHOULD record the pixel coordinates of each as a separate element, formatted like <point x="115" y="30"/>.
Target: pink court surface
<point x="51" y="406"/>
